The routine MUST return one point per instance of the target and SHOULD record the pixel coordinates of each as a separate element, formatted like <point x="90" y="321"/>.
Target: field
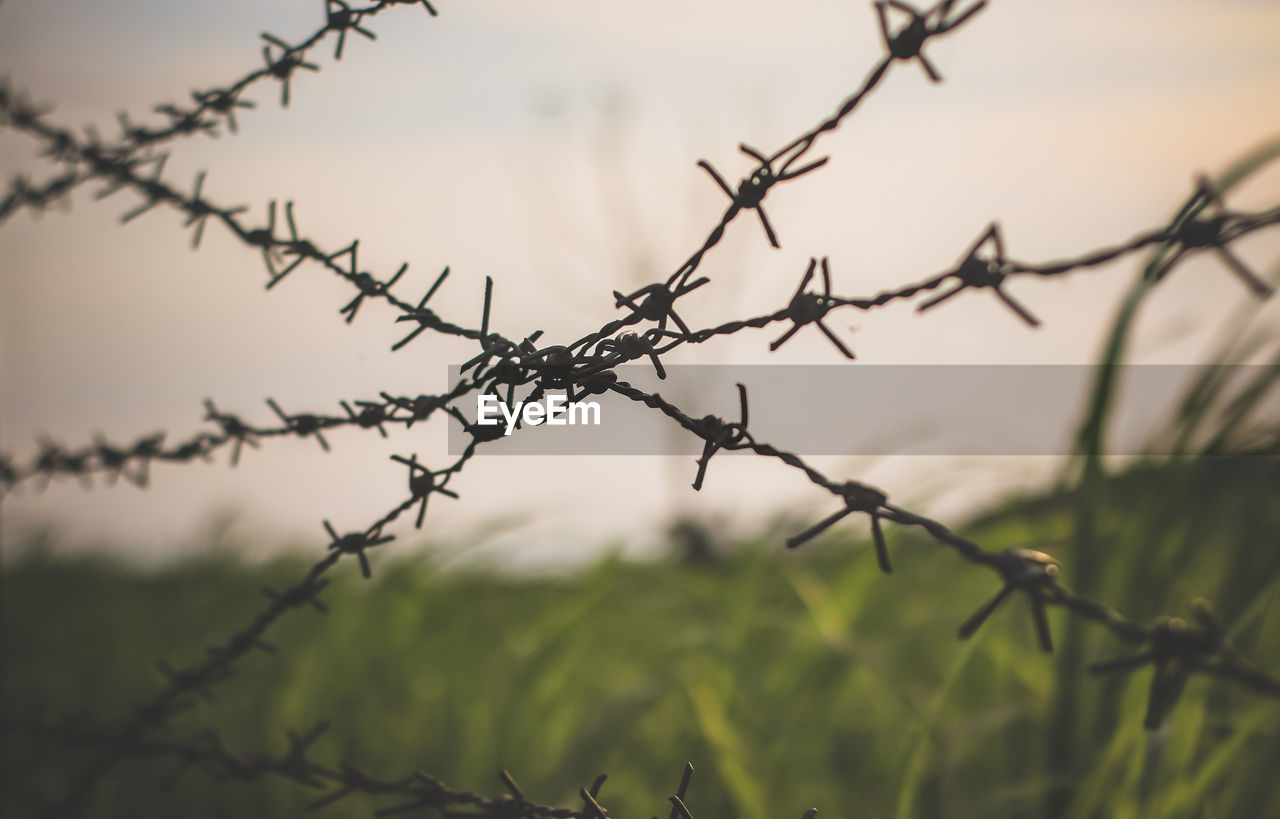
<point x="789" y="679"/>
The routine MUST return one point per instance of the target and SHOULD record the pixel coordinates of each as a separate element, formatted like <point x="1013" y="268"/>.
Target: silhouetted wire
<point x="1174" y="648"/>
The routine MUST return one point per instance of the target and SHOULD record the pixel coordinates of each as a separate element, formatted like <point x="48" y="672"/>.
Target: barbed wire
<point x="209" y="753"/>
<point x="1174" y="647"/>
<point x="209" y="109"/>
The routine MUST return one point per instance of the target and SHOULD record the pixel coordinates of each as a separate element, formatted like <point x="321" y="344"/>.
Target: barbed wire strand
<point x="1171" y="643"/>
<point x="208" y="110"/>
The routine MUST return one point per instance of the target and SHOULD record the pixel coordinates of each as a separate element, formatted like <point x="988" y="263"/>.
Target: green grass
<point x="789" y="679"/>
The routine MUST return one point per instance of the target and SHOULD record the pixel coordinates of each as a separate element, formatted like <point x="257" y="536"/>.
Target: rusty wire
<point x="1173" y="647"/>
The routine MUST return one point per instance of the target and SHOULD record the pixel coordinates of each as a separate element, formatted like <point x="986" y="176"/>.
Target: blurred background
<point x="552" y="146"/>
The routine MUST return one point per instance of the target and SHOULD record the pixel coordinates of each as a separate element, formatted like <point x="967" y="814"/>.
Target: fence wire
<point x="1174" y="647"/>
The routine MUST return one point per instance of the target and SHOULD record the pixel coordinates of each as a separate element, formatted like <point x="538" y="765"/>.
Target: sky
<point x="552" y="146"/>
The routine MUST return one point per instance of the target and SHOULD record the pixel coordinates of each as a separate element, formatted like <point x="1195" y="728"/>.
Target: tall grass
<point x="789" y="679"/>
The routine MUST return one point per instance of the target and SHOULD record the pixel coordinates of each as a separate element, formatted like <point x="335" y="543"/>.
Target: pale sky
<point x="552" y="145"/>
